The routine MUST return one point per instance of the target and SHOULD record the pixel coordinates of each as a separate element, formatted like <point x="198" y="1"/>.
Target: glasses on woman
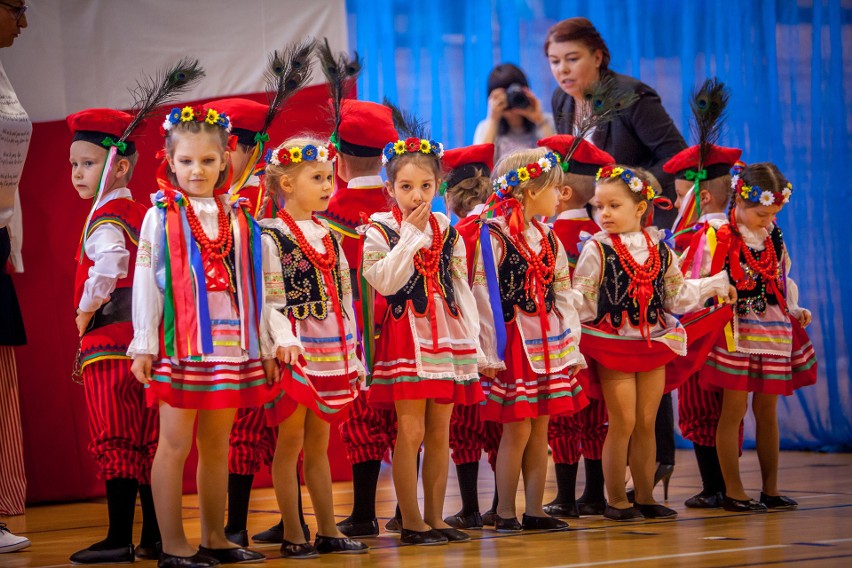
<point x="16" y="11"/>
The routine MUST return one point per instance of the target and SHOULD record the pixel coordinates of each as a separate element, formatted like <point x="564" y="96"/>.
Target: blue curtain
<point x="791" y="104"/>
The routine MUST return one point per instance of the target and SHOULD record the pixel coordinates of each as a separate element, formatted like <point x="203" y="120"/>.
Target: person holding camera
<point x="515" y="118"/>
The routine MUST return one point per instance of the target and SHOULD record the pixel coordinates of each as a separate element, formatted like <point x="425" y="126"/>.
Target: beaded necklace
<point x="642" y="277"/>
<point x="213" y="252"/>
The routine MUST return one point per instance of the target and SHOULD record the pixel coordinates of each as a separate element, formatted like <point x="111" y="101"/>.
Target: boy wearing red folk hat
<point x="368" y="433"/>
<point x="124" y="429"/>
<point x="467" y="186"/>
<point x="702" y="182"/>
<point x="583" y="433"/>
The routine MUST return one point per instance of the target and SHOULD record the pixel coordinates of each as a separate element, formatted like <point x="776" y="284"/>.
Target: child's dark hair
<point x="764" y="175"/>
<point x="636" y="196"/>
<point x="429" y="162"/>
<point x="468" y="193"/>
<point x="501" y="77"/>
<point x="194" y="127"/>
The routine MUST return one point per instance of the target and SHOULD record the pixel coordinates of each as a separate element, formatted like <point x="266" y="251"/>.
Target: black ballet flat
<point x="543" y="524"/>
<point x="239" y="538"/>
<point x="488" y="518"/>
<point x="590" y="508"/>
<point x="467" y="522"/>
<point x="742" y="505"/>
<point x="453" y="535"/>
<point x="623" y="515"/>
<point x="232" y="555"/>
<point x="275" y="534"/>
<point x="704" y="501"/>
<point x="655" y="511"/>
<point x="563" y="510"/>
<point x="117" y="555"/>
<point x="778" y="502"/>
<point x="359" y="529"/>
<point x="337" y="545"/>
<point x="298" y="551"/>
<point x="502" y="525"/>
<point x="422" y="538"/>
<point x="392" y="526"/>
<point x="195" y="561"/>
<point x="149" y="551"/>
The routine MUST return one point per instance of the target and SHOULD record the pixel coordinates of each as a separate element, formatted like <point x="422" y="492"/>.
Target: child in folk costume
<point x="196" y="307"/>
<point x="702" y="184"/>
<point x="532" y="345"/>
<point x="467" y="186"/>
<point x="426" y="355"/>
<point x="764" y="349"/>
<point x="123" y="428"/>
<point x="627" y="284"/>
<point x="582" y="434"/>
<point x="309" y="324"/>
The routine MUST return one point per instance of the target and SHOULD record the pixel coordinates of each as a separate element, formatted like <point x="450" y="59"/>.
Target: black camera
<point x="516" y="97"/>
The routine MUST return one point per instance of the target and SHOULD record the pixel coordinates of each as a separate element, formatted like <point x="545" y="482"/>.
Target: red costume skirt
<point x="329" y="397"/>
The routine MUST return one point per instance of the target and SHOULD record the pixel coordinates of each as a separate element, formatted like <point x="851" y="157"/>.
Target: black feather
<point x="708" y="105"/>
<point x="406" y="123"/>
<point x="288" y="71"/>
<point x="602" y="101"/>
<point x="151" y="93"/>
<point x="340" y="73"/>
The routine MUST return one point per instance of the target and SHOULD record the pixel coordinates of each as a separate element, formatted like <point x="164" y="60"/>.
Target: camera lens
<point x="516" y="97"/>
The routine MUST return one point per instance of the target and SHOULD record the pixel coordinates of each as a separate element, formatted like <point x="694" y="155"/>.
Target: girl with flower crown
<point x="532" y="346"/>
<point x="764" y="349"/>
<point x="308" y="323"/>
<point x="627" y="285"/>
<point x="426" y="356"/>
<point x="196" y="309"/>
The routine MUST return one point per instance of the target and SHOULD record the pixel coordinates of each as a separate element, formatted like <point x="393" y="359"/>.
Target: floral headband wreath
<point x="287" y="155"/>
<point x="198" y="114"/>
<point x="754" y="193"/>
<point x="635" y="183"/>
<point x="504" y="184"/>
<point x="411" y="145"/>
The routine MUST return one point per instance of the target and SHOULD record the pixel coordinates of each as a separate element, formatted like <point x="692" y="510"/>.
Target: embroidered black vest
<point x="303" y="282"/>
<point x="756" y="299"/>
<point x="415" y="289"/>
<point x="511" y="272"/>
<point x="614" y="300"/>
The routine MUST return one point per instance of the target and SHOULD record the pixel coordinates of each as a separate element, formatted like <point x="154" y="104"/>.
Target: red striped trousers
<point x="368" y="432"/>
<point x="470" y="435"/>
<point x="581" y="434"/>
<point x="252" y="442"/>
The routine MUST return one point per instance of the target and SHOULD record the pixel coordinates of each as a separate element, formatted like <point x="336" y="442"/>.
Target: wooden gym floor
<point x="819" y="533"/>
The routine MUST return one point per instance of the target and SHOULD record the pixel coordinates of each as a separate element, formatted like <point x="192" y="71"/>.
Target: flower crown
<point x="755" y="194"/>
<point x="284" y="156"/>
<point x="196" y="113"/>
<point x="503" y="184"/>
<point x="635" y="183"/>
<point x="411" y="146"/>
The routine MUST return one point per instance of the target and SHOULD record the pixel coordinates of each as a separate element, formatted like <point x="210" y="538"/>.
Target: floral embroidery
<point x="143" y="254"/>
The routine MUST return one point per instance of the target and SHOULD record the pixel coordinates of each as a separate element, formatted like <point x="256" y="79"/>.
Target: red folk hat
<point x="101" y="127"/>
<point x="717" y="162"/>
<point x="365" y="128"/>
<point x="247" y="117"/>
<point x="587" y="158"/>
<point x="467" y="162"/>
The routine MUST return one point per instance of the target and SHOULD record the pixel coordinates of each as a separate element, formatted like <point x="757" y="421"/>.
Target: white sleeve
<point x="275" y="328"/>
<point x="106" y="247"/>
<point x="565" y="300"/>
<point x="388" y="270"/>
<point x="587" y="278"/>
<point x="792" y="288"/>
<point x="16" y="235"/>
<point x="684" y="295"/>
<point x="464" y="296"/>
<point x="147" y="294"/>
<point x="346" y="300"/>
<point x="487" y="330"/>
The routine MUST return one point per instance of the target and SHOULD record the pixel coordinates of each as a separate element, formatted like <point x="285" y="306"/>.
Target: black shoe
<point x="663" y="473"/>
<point x="488" y="518"/>
<point x="232" y="555"/>
<point x="467" y="522"/>
<point x="778" y="502"/>
<point x="392" y="526"/>
<point x="195" y="561"/>
<point x="743" y="505"/>
<point x="336" y="545"/>
<point x="454" y="535"/>
<point x="119" y="555"/>
<point x="704" y="501"/>
<point x="149" y="551"/>
<point x="591" y="508"/>
<point x="655" y="511"/>
<point x="623" y="515"/>
<point x="422" y="538"/>
<point x="502" y="525"/>
<point x="543" y="524"/>
<point x="359" y="529"/>
<point x="239" y="537"/>
<point x="298" y="551"/>
<point x="275" y="534"/>
<point x="564" y="510"/>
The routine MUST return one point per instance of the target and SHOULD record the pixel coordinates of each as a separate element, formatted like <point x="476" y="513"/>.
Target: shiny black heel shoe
<point x="663" y="473"/>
